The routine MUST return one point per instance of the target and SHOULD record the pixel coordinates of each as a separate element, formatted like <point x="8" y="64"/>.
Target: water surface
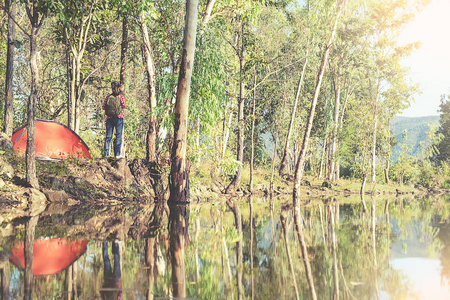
<point x="398" y="249"/>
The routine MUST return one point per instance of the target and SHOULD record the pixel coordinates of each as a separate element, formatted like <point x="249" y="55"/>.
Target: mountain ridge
<point x="417" y="132"/>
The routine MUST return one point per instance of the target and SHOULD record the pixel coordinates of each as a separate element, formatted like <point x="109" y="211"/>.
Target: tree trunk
<point x="151" y="86"/>
<point x="363" y="184"/>
<point x="240" y="139"/>
<point x="337" y="96"/>
<point x="337" y="172"/>
<point x="179" y="172"/>
<point x="226" y="132"/>
<point x="4" y="277"/>
<point x="386" y="172"/>
<point x="75" y="280"/>
<point x="197" y="132"/>
<point x="77" y="48"/>
<point x="375" y="129"/>
<point x="36" y="23"/>
<point x="123" y="53"/>
<point x="10" y="6"/>
<point x="302" y="157"/>
<point x="207" y="14"/>
<point x="77" y="103"/>
<point x="272" y="169"/>
<point x="252" y="156"/>
<point x="386" y="169"/>
<point x="68" y="284"/>
<point x="72" y="95"/>
<point x="362" y="193"/>
<point x="68" y="78"/>
<point x="322" y="157"/>
<point x="374" y="148"/>
<point x="283" y="163"/>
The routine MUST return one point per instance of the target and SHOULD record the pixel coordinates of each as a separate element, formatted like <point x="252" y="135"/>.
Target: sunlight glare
<point x="430" y="65"/>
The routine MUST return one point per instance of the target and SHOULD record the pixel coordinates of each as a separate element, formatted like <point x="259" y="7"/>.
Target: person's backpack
<point x="113" y="106"/>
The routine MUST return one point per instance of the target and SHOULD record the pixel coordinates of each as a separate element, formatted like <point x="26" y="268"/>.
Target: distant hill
<point x="416" y="127"/>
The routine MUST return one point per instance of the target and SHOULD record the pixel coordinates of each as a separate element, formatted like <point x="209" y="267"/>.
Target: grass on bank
<point x="200" y="175"/>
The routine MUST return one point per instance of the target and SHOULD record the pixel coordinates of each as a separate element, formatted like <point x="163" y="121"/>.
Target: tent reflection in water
<point x="50" y="256"/>
<point x="52" y="140"/>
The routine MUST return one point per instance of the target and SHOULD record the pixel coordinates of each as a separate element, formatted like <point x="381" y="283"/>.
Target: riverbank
<point x="137" y="180"/>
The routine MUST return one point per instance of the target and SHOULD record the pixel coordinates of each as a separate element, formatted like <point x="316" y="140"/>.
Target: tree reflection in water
<point x="242" y="249"/>
<point x="179" y="238"/>
<point x="30" y="229"/>
<point x="233" y="205"/>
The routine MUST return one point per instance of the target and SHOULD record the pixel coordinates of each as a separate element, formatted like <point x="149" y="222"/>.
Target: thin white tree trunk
<point x="226" y="133"/>
<point x="302" y="157"/>
<point x="207" y="15"/>
<point x="291" y="123"/>
<point x="252" y="156"/>
<point x="374" y="134"/>
<point x="337" y="95"/>
<point x="151" y="86"/>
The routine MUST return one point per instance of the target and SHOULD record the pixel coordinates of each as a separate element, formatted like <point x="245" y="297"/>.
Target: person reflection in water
<point x="112" y="284"/>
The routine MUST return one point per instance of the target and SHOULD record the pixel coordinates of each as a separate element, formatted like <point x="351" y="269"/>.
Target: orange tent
<point x="52" y="140"/>
<point x="50" y="256"/>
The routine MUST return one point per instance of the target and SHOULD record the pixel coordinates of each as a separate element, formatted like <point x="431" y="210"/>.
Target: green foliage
<point x="426" y="176"/>
<point x="442" y="175"/>
<point x="228" y="165"/>
<point x="444" y="129"/>
<point x="278" y="36"/>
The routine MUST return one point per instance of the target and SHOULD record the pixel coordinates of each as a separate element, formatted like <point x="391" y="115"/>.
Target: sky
<point x="430" y="65"/>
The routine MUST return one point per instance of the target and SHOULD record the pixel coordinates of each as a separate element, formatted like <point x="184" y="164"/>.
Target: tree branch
<point x="2" y="7"/>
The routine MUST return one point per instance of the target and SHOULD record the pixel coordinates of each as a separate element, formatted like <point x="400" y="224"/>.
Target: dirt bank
<point x="137" y="180"/>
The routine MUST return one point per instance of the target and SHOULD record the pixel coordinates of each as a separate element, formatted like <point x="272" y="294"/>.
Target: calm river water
<point x="399" y="248"/>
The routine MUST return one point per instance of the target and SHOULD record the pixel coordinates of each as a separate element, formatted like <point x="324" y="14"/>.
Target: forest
<point x="321" y="80"/>
<point x="230" y="95"/>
